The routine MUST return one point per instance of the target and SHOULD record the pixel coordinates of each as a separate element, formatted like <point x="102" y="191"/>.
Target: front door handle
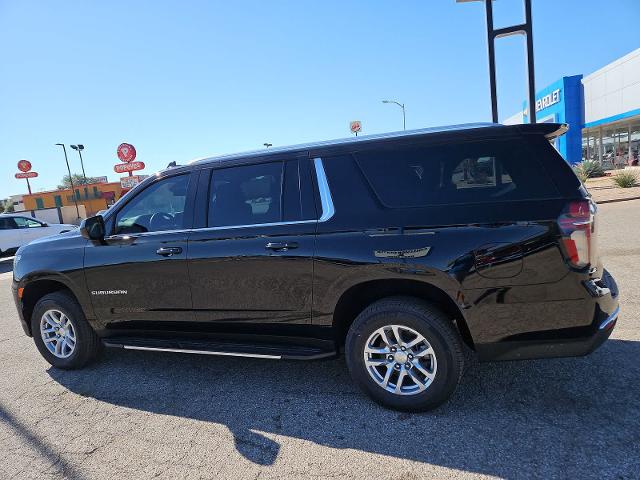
<point x="281" y="246"/>
<point x="169" y="251"/>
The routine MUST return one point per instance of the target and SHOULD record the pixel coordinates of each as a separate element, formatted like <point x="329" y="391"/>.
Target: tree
<point x="8" y="207"/>
<point x="77" y="180"/>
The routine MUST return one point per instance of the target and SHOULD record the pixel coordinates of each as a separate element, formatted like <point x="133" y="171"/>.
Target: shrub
<point x="625" y="179"/>
<point x="588" y="169"/>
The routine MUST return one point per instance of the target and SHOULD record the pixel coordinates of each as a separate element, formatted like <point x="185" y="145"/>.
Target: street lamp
<point x="401" y="105"/>
<point x="73" y="193"/>
<point x="267" y="144"/>
<point x="79" y="149"/>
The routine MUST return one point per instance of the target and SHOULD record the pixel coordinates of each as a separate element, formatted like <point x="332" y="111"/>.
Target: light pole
<point x="73" y="193"/>
<point x="401" y="105"/>
<point x="79" y="149"/>
<point x="267" y="144"/>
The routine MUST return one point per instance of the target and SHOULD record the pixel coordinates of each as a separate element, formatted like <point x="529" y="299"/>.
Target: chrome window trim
<point x="272" y="224"/>
<point x="328" y="210"/>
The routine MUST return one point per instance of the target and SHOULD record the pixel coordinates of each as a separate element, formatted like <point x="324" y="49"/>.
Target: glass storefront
<point x="613" y="145"/>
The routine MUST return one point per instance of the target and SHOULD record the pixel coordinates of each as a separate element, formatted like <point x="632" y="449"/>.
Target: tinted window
<point x="298" y="203"/>
<point x="465" y="173"/>
<point x="159" y="207"/>
<point x="246" y="195"/>
<point x="7" y="224"/>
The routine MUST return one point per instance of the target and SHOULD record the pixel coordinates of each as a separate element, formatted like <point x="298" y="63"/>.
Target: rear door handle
<point x="169" y="251"/>
<point x="281" y="246"/>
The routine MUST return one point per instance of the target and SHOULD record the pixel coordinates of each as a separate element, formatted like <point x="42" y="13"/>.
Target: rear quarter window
<point x="465" y="173"/>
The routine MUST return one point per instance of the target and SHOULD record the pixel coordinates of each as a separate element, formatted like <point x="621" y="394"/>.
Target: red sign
<point x="27" y="175"/>
<point x="24" y="165"/>
<point x="128" y="167"/>
<point x="355" y="126"/>
<point x="126" y="152"/>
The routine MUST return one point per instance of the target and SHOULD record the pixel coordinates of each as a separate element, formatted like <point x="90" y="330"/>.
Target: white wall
<point x="516" y="119"/>
<point x="49" y="215"/>
<point x="69" y="214"/>
<point x="613" y="89"/>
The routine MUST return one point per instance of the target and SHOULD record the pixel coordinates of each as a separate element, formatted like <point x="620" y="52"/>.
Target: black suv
<point x="408" y="251"/>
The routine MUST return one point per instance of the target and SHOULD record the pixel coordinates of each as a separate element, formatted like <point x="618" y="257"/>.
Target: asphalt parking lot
<point x="146" y="415"/>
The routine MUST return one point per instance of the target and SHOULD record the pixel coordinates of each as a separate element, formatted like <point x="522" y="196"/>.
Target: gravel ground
<point x="146" y="415"/>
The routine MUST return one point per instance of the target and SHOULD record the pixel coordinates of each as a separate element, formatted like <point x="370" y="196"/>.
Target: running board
<point x="223" y="348"/>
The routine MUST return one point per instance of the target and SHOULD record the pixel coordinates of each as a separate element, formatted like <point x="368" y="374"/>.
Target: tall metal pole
<point x="531" y="77"/>
<point x="401" y="105"/>
<point x="491" y="46"/>
<point x="525" y="29"/>
<point x="82" y="165"/>
<point x="73" y="193"/>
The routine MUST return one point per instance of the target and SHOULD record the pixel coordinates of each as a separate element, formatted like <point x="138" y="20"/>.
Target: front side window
<point x="23" y="222"/>
<point x="159" y="207"/>
<point x="246" y="195"/>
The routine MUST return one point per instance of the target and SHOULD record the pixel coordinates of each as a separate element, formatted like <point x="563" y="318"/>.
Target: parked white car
<point x="17" y="230"/>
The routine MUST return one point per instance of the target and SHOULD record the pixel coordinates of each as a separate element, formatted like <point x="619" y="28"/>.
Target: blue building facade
<point x="563" y="102"/>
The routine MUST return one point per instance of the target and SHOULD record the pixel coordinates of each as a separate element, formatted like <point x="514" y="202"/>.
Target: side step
<point x="224" y="348"/>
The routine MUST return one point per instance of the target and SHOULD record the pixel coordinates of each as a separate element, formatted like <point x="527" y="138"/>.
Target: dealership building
<point x="602" y="110"/>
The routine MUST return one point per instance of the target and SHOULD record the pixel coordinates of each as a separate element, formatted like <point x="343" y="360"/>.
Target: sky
<point x="190" y="79"/>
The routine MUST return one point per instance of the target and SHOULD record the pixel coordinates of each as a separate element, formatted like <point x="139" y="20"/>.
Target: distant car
<point x="18" y="230"/>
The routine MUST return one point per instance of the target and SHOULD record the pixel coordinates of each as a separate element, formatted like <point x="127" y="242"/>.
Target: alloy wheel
<point x="58" y="333"/>
<point x="400" y="360"/>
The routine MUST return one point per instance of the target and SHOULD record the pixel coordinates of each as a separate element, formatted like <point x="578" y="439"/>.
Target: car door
<point x="251" y="260"/>
<point x="137" y="277"/>
<point x="9" y="234"/>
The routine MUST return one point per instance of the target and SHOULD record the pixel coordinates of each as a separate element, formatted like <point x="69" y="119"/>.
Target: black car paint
<point x="499" y="264"/>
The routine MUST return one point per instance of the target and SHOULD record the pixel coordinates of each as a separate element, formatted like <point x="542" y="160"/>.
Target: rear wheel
<point x="61" y="332"/>
<point x="405" y="354"/>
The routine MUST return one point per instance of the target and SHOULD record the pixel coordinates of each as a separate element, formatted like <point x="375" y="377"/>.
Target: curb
<point x="614" y="200"/>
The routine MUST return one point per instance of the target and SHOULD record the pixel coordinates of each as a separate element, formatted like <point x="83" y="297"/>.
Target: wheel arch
<point x="355" y="299"/>
<point x="35" y="290"/>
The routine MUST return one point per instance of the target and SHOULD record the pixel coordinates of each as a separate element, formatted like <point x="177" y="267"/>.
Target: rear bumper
<point x="567" y="342"/>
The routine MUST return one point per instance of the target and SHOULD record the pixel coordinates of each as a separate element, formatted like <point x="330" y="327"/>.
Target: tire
<point x="87" y="344"/>
<point x="444" y="362"/>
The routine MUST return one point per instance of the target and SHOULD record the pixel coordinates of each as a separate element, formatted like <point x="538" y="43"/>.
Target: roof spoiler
<point x="549" y="130"/>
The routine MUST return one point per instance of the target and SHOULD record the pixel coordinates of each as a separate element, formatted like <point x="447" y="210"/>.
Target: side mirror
<point x="93" y="228"/>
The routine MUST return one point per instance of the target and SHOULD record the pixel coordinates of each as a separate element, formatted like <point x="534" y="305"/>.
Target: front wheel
<point x="61" y="332"/>
<point x="405" y="354"/>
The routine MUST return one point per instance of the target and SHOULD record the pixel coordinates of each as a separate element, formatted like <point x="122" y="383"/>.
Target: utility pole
<point x="73" y="192"/>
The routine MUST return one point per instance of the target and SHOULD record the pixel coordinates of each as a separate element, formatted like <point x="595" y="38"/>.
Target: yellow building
<point x="94" y="197"/>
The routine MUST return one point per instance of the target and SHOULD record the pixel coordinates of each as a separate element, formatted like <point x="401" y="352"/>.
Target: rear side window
<point x="246" y="195"/>
<point x="7" y="224"/>
<point x="474" y="172"/>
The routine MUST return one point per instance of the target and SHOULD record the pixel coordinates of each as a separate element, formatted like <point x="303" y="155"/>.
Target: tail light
<point x="577" y="226"/>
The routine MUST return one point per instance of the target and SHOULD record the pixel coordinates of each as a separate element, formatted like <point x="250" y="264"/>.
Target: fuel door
<point x="498" y="260"/>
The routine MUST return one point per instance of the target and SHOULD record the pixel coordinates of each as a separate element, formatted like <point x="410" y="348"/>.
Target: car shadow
<point x="560" y="417"/>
